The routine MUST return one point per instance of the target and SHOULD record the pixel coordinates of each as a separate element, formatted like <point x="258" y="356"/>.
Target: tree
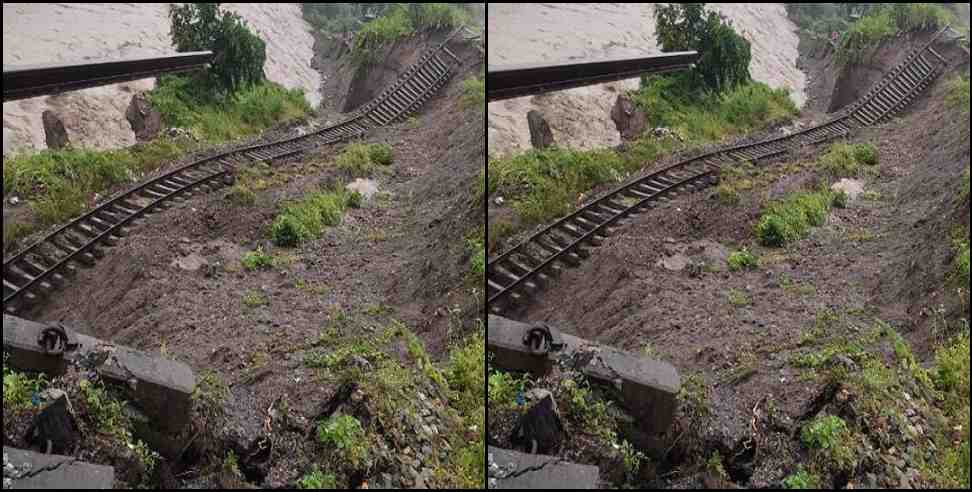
<point x="239" y="54"/>
<point x="725" y="55"/>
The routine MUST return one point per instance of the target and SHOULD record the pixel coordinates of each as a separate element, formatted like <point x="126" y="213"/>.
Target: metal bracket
<point x="543" y="339"/>
<point x="56" y="341"/>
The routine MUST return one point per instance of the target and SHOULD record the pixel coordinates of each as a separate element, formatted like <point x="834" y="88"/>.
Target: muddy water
<point x="53" y="33"/>
<point x="549" y="32"/>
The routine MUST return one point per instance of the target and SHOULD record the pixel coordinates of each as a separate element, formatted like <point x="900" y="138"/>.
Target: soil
<point x="176" y="283"/>
<point x="885" y="258"/>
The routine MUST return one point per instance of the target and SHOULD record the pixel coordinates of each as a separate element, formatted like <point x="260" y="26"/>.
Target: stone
<point x="54" y="429"/>
<point x="674" y="263"/>
<point x="541" y="136"/>
<point x="540" y="429"/>
<point x="630" y="120"/>
<point x="505" y="342"/>
<point x="366" y="187"/>
<point x="56" y="133"/>
<point x="30" y="470"/>
<point x="852" y="187"/>
<point x="512" y="470"/>
<point x="146" y="120"/>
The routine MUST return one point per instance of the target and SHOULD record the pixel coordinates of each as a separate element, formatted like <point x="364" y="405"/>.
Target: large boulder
<point x="630" y="120"/>
<point x="146" y="121"/>
<point x="54" y="130"/>
<point x="541" y="136"/>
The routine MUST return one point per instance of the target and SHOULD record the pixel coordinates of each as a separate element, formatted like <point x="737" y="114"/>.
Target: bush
<point x="802" y="481"/>
<point x="316" y="480"/>
<point x="361" y="160"/>
<point x="306" y="220"/>
<point x="850" y="160"/>
<point x="792" y="219"/>
<point x="886" y="21"/>
<point x="478" y="261"/>
<point x="743" y="260"/>
<point x="841" y="200"/>
<point x="824" y="433"/>
<point x="347" y="435"/>
<point x="239" y="54"/>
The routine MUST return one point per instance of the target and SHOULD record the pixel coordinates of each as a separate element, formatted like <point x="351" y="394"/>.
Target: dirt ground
<point x="883" y="257"/>
<point x="175" y="286"/>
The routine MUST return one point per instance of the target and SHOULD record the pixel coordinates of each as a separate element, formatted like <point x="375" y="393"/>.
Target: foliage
<point x="306" y="219"/>
<point x="503" y="389"/>
<point x="112" y="420"/>
<point x="725" y="56"/>
<point x="968" y="182"/>
<point x="466" y="373"/>
<point x="239" y="54"/>
<point x="802" y="481"/>
<point x="478" y="251"/>
<point x="824" y="432"/>
<point x="791" y="219"/>
<point x="474" y="93"/>
<point x="886" y="21"/>
<point x="850" y="160"/>
<point x="257" y="260"/>
<point x="19" y="389"/>
<point x="317" y="480"/>
<point x="347" y="435"/>
<point x="959" y="94"/>
<point x="402" y="21"/>
<point x="360" y="160"/>
<point x="743" y="260"/>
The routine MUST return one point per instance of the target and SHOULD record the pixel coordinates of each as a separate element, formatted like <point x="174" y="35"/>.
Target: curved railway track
<point x="515" y="276"/>
<point x="39" y="269"/>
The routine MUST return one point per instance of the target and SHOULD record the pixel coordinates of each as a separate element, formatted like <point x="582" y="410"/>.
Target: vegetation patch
<point x="743" y="260"/>
<point x="402" y="21"/>
<point x="307" y="219"/>
<point x="792" y="219"/>
<point x="882" y="22"/>
<point x="959" y="94"/>
<point x="257" y="260"/>
<point x="474" y="93"/>
<point x="850" y="160"/>
<point x="362" y="160"/>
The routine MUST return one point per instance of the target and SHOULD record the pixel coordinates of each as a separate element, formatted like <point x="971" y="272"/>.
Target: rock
<point x="366" y="187"/>
<point x="56" y="133"/>
<point x="499" y="201"/>
<point x="674" y="263"/>
<point x="14" y="201"/>
<point x="628" y="118"/>
<point x="146" y="120"/>
<point x="54" y="429"/>
<point x="852" y="187"/>
<point x="540" y="430"/>
<point x="541" y="136"/>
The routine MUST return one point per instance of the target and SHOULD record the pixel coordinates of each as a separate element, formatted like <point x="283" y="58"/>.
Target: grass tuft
<point x="307" y="219"/>
<point x="850" y="160"/>
<point x="743" y="260"/>
<point x="792" y="219"/>
<point x="361" y="160"/>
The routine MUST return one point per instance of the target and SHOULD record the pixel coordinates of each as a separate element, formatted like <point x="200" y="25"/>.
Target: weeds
<point x="317" y="480"/>
<point x="850" y="161"/>
<point x="361" y="160"/>
<point x="347" y="435"/>
<point x="792" y="219"/>
<point x="19" y="389"/>
<point x="254" y="299"/>
<point x="306" y="220"/>
<point x="257" y="260"/>
<point x="802" y="480"/>
<point x="474" y="93"/>
<point x="743" y="260"/>
<point x="738" y="298"/>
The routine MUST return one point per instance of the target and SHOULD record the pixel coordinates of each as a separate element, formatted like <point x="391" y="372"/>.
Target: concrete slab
<point x="649" y="388"/>
<point x="161" y="388"/>
<point x="509" y="470"/>
<point x="504" y="340"/>
<point x="26" y="470"/>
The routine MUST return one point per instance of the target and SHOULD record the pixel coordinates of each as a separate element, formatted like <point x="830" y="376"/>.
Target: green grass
<point x="465" y="374"/>
<point x="19" y="388"/>
<point x="306" y="220"/>
<point x="253" y="299"/>
<point x="738" y="298"/>
<point x="966" y="187"/>
<point x="850" y="160"/>
<point x="474" y="93"/>
<point x="478" y="267"/>
<point x="885" y="23"/>
<point x="792" y="219"/>
<point x="959" y="94"/>
<point x="743" y="260"/>
<point x="257" y="260"/>
<point x="251" y="110"/>
<point x="361" y="160"/>
<point x="317" y="480"/>
<point x="14" y="232"/>
<point x="403" y="21"/>
<point x="802" y="481"/>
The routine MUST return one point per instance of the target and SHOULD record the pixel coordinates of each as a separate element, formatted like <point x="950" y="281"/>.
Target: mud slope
<point x="536" y="33"/>
<point x="35" y="34"/>
<point x="885" y="257"/>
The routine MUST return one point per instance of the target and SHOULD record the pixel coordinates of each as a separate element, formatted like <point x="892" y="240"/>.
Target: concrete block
<point x="504" y="340"/>
<point x="161" y="388"/>
<point x="27" y="470"/>
<point x="512" y="470"/>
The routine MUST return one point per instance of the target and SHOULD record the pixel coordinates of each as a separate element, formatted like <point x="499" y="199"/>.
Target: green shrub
<point x="743" y="260"/>
<point x="306" y="220"/>
<point x="792" y="219"/>
<point x="317" y="480"/>
<point x="346" y="434"/>
<point x="850" y="160"/>
<point x="257" y="260"/>
<point x="841" y="200"/>
<point x="802" y="481"/>
<point x="361" y="160"/>
<point x="478" y="260"/>
<point x="885" y="22"/>
<point x="19" y="389"/>
<point x="474" y="93"/>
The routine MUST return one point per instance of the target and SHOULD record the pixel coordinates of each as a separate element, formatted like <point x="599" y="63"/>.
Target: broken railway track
<point x="38" y="270"/>
<point x="514" y="277"/>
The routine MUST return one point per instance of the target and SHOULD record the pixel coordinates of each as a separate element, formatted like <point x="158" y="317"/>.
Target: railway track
<point x="514" y="277"/>
<point x="38" y="270"/>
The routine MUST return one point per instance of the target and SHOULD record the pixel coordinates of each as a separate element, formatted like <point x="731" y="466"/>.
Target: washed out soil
<point x="176" y="283"/>
<point x="646" y="290"/>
